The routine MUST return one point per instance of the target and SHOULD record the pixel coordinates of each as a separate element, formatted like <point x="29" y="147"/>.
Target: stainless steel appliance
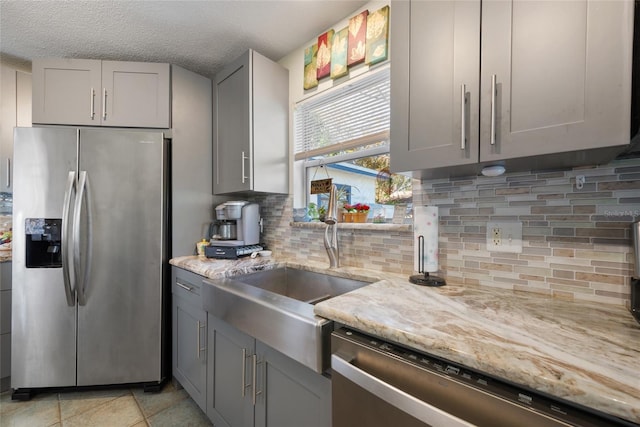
<point x="89" y="258"/>
<point x="236" y="231"/>
<point x="376" y="383"/>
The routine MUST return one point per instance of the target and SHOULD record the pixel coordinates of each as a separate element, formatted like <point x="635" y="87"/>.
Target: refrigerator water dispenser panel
<point x="43" y="243"/>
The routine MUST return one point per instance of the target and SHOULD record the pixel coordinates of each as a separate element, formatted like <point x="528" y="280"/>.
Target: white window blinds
<point x="352" y="115"/>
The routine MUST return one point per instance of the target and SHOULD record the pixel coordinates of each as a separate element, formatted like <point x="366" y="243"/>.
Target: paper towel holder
<point x="424" y="279"/>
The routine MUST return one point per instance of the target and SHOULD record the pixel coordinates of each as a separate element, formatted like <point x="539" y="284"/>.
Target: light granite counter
<point x="583" y="352"/>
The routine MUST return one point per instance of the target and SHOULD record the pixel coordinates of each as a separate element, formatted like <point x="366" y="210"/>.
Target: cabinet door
<point x="232" y="128"/>
<point x="229" y="380"/>
<point x="435" y="62"/>
<point x="562" y="76"/>
<point x="7" y="122"/>
<point x="15" y="110"/>
<point x="66" y="91"/>
<point x="135" y="94"/>
<point x="290" y="394"/>
<point x="189" y="348"/>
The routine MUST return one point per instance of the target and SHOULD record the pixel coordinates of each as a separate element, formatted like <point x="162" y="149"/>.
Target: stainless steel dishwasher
<point x="375" y="383"/>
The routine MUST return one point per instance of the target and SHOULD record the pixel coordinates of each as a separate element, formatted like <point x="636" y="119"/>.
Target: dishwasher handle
<point x="394" y="396"/>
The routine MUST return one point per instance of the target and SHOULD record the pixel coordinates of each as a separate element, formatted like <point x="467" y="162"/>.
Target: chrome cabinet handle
<point x="254" y="393"/>
<point x="405" y="402"/>
<point x="188" y="288"/>
<point x="83" y="188"/>
<point x="8" y="172"/>
<point x="463" y="117"/>
<point x="200" y="349"/>
<point x="104" y="104"/>
<point x="244" y="372"/>
<point x="493" y="109"/>
<point x="243" y="172"/>
<point x="92" y="111"/>
<point x="68" y="289"/>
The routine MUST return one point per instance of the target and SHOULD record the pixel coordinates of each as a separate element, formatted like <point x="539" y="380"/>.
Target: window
<point x="343" y="134"/>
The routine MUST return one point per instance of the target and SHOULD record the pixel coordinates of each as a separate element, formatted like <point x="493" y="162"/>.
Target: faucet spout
<point x="331" y="219"/>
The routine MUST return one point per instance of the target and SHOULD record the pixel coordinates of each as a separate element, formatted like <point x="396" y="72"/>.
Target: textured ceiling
<point x="201" y="36"/>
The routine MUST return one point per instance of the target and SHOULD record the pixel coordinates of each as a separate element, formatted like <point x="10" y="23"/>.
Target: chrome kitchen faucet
<point x="331" y="243"/>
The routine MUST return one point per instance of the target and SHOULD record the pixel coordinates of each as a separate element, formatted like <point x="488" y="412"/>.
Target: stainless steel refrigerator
<point x="89" y="258"/>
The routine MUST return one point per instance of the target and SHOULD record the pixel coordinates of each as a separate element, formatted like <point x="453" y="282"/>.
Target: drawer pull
<point x="185" y="287"/>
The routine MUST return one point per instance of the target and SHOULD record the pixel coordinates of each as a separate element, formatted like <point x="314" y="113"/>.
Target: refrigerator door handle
<point x="68" y="288"/>
<point x="83" y="188"/>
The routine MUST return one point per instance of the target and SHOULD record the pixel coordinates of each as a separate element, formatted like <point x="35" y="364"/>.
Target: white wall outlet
<point x="504" y="237"/>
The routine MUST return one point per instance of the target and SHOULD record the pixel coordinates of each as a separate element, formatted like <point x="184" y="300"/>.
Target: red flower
<point x="358" y="207"/>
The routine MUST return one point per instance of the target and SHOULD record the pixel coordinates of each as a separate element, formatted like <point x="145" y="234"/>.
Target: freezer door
<point x="43" y="348"/>
<point x="122" y="254"/>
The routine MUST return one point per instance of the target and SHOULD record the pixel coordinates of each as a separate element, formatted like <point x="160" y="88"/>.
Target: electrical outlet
<point x="496" y="233"/>
<point x="504" y="237"/>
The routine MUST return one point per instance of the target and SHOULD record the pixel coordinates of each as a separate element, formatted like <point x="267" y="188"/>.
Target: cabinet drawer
<point x="186" y="285"/>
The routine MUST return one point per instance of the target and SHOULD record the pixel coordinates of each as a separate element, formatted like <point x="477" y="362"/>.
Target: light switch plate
<point x="504" y="236"/>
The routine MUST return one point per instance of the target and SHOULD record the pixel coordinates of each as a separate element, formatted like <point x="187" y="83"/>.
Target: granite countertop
<point x="583" y="352"/>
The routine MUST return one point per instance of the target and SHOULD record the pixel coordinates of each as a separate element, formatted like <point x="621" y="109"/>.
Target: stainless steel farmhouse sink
<point x="276" y="307"/>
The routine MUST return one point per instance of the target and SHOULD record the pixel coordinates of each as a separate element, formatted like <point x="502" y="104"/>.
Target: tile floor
<point x="108" y="408"/>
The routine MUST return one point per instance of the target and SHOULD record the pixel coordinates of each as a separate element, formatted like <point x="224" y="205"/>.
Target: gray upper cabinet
<point x="511" y="82"/>
<point x="562" y="76"/>
<point x="436" y="53"/>
<point x="251" y="126"/>
<point x="15" y="110"/>
<point x="101" y="93"/>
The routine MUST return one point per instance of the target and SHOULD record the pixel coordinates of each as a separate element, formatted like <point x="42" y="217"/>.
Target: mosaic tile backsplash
<point x="576" y="243"/>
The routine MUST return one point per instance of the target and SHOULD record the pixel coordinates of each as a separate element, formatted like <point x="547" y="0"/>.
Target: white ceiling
<point x="201" y="36"/>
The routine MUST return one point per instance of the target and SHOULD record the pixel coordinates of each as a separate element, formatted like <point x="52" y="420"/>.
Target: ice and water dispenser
<point x="43" y="237"/>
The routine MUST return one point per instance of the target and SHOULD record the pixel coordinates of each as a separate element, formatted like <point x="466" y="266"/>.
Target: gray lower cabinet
<point x="189" y="335"/>
<point x="101" y="93"/>
<point x="292" y="395"/>
<point x="230" y="387"/>
<point x="5" y="325"/>
<point x="251" y="384"/>
<point x="501" y="81"/>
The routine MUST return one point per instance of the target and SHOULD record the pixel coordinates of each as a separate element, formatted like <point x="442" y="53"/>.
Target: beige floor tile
<point x="141" y="424"/>
<point x="43" y="410"/>
<point x="122" y="411"/>
<point x="184" y="414"/>
<point x="152" y="403"/>
<point x="76" y="403"/>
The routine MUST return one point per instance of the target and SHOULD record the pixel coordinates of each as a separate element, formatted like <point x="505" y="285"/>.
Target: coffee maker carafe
<point x="238" y="224"/>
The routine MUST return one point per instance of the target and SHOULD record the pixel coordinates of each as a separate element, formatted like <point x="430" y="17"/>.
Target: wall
<point x="576" y="243"/>
<point x="385" y="249"/>
<point x="294" y="62"/>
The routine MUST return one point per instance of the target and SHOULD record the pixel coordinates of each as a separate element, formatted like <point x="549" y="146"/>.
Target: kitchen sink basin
<point x="301" y="285"/>
<point x="276" y="307"/>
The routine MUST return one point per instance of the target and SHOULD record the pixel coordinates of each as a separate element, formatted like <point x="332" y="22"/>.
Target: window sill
<point x="356" y="226"/>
